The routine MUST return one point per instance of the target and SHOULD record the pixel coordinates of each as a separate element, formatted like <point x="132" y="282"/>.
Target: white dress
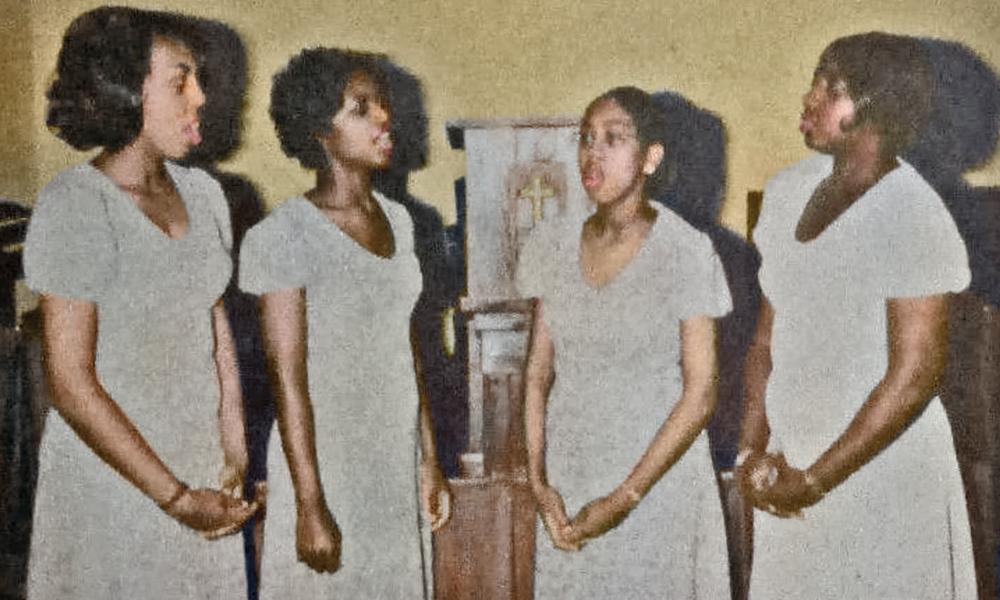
<point x="617" y="365"/>
<point x="364" y="400"/>
<point x="897" y="528"/>
<point x="95" y="535"/>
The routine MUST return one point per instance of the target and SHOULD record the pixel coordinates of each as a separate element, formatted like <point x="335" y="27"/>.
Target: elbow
<point x="703" y="401"/>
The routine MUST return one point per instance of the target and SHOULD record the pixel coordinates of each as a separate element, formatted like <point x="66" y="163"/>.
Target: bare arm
<point x="918" y="332"/>
<point x="699" y="366"/>
<point x="231" y="418"/>
<point x="754" y="432"/>
<point x="283" y="321"/>
<point x="69" y="345"/>
<point x="683" y="425"/>
<point x="435" y="493"/>
<point x="539" y="376"/>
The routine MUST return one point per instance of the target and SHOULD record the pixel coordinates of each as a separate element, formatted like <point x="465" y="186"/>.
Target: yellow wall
<point x="748" y="61"/>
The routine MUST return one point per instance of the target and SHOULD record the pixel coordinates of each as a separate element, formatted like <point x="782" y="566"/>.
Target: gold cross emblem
<point x="537" y="192"/>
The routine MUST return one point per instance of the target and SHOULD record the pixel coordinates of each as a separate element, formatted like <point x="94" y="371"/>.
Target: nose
<point x="196" y="95"/>
<point x="380" y="113"/>
<point x="812" y="97"/>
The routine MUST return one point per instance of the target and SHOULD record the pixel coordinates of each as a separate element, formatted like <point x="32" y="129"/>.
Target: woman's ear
<point x="654" y="156"/>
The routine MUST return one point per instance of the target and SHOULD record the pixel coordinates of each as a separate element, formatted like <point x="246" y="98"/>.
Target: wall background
<point x="750" y="62"/>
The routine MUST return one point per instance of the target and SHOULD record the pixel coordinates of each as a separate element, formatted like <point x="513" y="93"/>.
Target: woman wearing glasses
<point x="621" y="376"/>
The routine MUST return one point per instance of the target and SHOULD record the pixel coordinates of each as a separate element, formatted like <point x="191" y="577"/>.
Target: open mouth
<point x="383" y="142"/>
<point x="591" y="177"/>
<point x="191" y="131"/>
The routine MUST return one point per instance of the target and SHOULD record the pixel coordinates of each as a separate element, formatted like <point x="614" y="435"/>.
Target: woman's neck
<point x="339" y="188"/>
<point x="621" y="219"/>
<point x="863" y="162"/>
<point x="132" y="169"/>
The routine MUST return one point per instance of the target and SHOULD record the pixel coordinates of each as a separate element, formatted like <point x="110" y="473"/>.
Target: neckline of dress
<point x="859" y="206"/>
<point x="629" y="266"/>
<point x="382" y="202"/>
<point x="124" y="197"/>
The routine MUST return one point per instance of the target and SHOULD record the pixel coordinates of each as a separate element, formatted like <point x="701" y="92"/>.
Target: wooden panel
<point x="483" y="552"/>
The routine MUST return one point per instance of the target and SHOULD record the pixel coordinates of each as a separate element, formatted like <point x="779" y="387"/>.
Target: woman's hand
<point x="793" y="491"/>
<point x="232" y="479"/>
<point x="774" y="486"/>
<point x="554" y="517"/>
<point x="317" y="539"/>
<point x="435" y="495"/>
<point x="212" y="513"/>
<point x="599" y="516"/>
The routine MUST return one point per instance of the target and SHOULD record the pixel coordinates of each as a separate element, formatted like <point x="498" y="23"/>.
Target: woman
<point x="621" y="378"/>
<point x="130" y="253"/>
<point x="858" y="256"/>
<point x="338" y="279"/>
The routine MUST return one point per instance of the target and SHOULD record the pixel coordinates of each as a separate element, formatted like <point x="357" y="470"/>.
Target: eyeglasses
<point x="611" y="140"/>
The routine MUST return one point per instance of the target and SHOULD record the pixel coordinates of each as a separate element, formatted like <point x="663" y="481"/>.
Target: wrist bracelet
<point x="182" y="489"/>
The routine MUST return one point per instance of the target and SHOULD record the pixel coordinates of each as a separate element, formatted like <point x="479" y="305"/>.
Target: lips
<point x="383" y="141"/>
<point x="805" y="124"/>
<point x="191" y="131"/>
<point x="591" y="177"/>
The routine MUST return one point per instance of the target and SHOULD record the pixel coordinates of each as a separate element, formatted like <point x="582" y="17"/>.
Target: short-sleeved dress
<point x="95" y="535"/>
<point x="897" y="528"/>
<point x="618" y="376"/>
<point x="364" y="399"/>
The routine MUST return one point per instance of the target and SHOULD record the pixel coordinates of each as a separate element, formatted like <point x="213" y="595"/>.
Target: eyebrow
<point x="610" y="122"/>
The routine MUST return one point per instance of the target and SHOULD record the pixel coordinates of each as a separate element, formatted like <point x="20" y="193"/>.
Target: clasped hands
<point x="774" y="486"/>
<point x="596" y="518"/>
<point x="216" y="513"/>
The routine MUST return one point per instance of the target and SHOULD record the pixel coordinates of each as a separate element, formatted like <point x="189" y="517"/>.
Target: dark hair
<point x="889" y="78"/>
<point x="309" y="91"/>
<point x="96" y="99"/>
<point x="650" y="127"/>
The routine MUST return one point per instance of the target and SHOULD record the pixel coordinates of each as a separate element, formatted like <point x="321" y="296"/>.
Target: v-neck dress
<point x="617" y="377"/>
<point x="364" y="400"/>
<point x="898" y="527"/>
<point x="95" y="535"/>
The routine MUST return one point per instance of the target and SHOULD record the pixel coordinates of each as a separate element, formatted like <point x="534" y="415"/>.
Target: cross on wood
<point x="537" y="193"/>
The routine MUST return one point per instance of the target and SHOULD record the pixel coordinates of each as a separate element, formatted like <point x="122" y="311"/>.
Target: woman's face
<point x="827" y="112"/>
<point x="360" y="132"/>
<point x="612" y="164"/>
<point x="171" y="98"/>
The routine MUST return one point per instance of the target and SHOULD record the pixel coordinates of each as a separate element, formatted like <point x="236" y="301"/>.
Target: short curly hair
<point x="309" y="91"/>
<point x="890" y="79"/>
<point x="650" y="127"/>
<point x="96" y="99"/>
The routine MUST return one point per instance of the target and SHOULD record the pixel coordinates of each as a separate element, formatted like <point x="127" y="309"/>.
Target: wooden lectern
<point x="518" y="173"/>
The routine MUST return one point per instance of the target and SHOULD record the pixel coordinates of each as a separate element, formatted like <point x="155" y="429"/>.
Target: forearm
<point x="538" y="379"/>
<point x="690" y="414"/>
<point x="754" y="430"/>
<point x="917" y="345"/>
<point x="231" y="413"/>
<point x="298" y="441"/>
<point x="107" y="430"/>
<point x="887" y="412"/>
<point x="284" y="328"/>
<point x="428" y="445"/>
<point x="69" y="347"/>
<point x="672" y="440"/>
